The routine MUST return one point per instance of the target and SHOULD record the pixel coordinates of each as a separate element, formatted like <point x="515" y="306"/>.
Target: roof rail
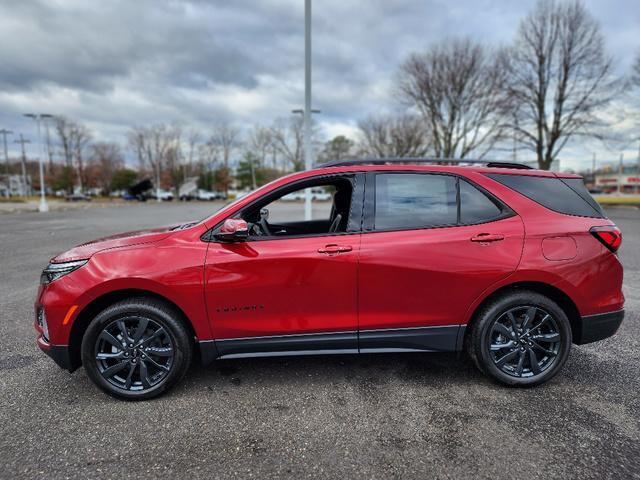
<point x="404" y="160"/>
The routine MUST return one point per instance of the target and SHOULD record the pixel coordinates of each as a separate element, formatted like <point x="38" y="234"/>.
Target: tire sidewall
<point x="144" y="309"/>
<point x="497" y="309"/>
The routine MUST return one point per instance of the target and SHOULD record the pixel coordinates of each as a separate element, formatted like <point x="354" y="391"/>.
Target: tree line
<point x="459" y="99"/>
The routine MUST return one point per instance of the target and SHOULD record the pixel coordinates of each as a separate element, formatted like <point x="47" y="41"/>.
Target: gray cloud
<point x="113" y="64"/>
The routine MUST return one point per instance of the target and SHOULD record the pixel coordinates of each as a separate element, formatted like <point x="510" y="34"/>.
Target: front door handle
<point x="332" y="249"/>
<point x="487" y="237"/>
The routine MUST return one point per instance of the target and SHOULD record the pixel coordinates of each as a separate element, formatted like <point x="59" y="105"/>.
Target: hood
<point x="127" y="239"/>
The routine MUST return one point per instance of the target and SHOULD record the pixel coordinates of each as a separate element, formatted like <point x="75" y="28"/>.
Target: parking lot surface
<point x="382" y="416"/>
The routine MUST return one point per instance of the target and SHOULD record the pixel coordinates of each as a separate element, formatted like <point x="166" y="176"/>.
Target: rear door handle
<point x="333" y="249"/>
<point x="487" y="237"/>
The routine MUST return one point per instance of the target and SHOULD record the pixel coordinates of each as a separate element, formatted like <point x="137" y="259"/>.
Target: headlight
<point x="56" y="270"/>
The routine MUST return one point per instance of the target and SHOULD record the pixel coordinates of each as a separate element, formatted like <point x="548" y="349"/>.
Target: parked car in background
<point x="78" y="197"/>
<point x="206" y="195"/>
<point x="318" y="194"/>
<point x="164" y="195"/>
<point x="139" y="191"/>
<point x="510" y="264"/>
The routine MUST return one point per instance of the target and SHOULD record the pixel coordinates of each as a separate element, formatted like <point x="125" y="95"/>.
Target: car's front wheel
<point x="136" y="349"/>
<point x="522" y="338"/>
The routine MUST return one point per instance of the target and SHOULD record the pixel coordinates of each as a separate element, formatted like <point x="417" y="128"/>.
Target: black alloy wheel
<point x="524" y="341"/>
<point x="137" y="348"/>
<point x="520" y="338"/>
<point x="134" y="353"/>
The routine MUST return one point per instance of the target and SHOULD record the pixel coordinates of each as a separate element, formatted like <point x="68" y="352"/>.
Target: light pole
<point x="44" y="206"/>
<point x="308" y="161"/>
<point x="308" y="164"/>
<point x="158" y="199"/>
<point x="620" y="170"/>
<point x="4" y="132"/>
<point x="22" y="142"/>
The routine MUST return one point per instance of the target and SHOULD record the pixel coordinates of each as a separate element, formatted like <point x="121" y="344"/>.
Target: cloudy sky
<point x="112" y="64"/>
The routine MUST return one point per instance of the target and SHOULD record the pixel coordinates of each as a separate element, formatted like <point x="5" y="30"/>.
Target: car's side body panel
<point x="427" y="277"/>
<point x="281" y="286"/>
<point x="172" y="268"/>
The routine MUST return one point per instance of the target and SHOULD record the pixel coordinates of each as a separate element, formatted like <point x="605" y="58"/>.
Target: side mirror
<point x="233" y="230"/>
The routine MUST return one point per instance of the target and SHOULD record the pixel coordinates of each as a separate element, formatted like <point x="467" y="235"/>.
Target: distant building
<point x="613" y="182"/>
<point x="14" y="186"/>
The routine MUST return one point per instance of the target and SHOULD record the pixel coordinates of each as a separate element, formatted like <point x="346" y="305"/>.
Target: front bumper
<point x="592" y="328"/>
<point x="59" y="353"/>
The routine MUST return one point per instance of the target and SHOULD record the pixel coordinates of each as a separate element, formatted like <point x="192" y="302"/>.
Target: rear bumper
<point x="58" y="353"/>
<point x="592" y="328"/>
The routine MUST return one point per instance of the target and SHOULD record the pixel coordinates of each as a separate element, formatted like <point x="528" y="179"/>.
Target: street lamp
<point x="4" y="132"/>
<point x="44" y="206"/>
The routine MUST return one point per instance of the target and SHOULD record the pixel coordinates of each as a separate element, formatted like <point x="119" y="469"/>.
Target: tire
<point x="160" y="356"/>
<point x="502" y="349"/>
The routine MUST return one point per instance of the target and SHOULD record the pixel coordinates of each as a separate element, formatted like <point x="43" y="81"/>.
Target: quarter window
<point x="475" y="206"/>
<point x="568" y="196"/>
<point x="407" y="201"/>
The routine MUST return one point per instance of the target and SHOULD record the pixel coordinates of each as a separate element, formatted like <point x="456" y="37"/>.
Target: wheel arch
<point x="83" y="319"/>
<point x="560" y="297"/>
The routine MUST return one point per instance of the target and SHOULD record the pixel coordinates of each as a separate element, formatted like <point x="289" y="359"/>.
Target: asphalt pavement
<point x="369" y="416"/>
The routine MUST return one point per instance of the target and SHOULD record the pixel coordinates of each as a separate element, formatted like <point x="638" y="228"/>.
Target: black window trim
<point x="370" y="202"/>
<point x="356" y="209"/>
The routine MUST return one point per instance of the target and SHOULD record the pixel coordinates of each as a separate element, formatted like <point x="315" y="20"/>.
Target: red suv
<point x="509" y="263"/>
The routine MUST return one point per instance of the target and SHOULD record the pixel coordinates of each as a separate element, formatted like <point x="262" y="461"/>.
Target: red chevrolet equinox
<point x="511" y="264"/>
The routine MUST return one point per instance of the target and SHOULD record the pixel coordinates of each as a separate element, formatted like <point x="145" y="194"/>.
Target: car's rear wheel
<point x="521" y="338"/>
<point x="136" y="349"/>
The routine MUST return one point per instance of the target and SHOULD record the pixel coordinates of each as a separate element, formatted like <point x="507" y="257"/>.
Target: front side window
<point x="407" y="201"/>
<point x="284" y="216"/>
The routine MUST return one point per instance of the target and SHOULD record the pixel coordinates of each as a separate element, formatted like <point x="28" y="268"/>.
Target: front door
<point x="292" y="285"/>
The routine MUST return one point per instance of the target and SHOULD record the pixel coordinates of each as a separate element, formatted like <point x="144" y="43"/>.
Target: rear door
<point x="432" y="243"/>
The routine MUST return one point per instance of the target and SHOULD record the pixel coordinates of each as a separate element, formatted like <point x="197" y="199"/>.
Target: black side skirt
<point x="423" y="339"/>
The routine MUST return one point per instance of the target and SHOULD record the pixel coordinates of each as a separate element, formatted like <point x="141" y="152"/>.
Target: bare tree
<point x="559" y="76"/>
<point x="388" y="136"/>
<point x="208" y="155"/>
<point x="63" y="130"/>
<point x="458" y="88"/>
<point x="193" y="138"/>
<point x="287" y="137"/>
<point x="260" y="141"/>
<point x="74" y="137"/>
<point x="80" y="138"/>
<point x="226" y="137"/>
<point x="106" y="158"/>
<point x="156" y="148"/>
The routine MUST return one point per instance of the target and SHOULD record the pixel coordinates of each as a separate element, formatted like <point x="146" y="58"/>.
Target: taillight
<point x="609" y="235"/>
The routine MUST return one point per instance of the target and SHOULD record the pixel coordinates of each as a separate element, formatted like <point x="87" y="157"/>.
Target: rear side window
<point x="568" y="196"/>
<point x="577" y="185"/>
<point x="475" y="206"/>
<point x="406" y="201"/>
